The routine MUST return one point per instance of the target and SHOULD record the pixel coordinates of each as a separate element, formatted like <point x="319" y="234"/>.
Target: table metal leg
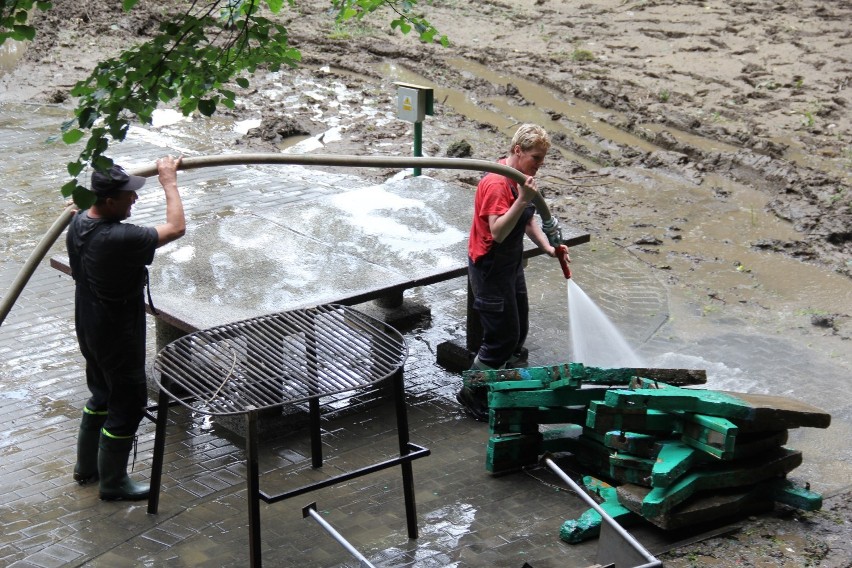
<point x="159" y="451"/>
<point x="316" y="432"/>
<point x="407" y="471"/>
<point x="253" y="486"/>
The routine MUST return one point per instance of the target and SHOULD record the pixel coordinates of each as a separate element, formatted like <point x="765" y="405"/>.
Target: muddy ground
<point x="767" y="80"/>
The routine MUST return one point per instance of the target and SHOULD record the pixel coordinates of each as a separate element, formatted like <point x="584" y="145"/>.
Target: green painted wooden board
<point x="544" y="397"/>
<point x="643" y="445"/>
<point x="509" y="453"/>
<point x="722" y="503"/>
<point x="711" y="434"/>
<point x="512" y="452"/>
<point x="520" y="420"/>
<point x="673" y="461"/>
<point x="624" y="376"/>
<point x="603" y="418"/>
<point x="728" y="474"/>
<point x="788" y="493"/>
<point x="764" y="411"/>
<point x="699" y="509"/>
<point x="544" y="374"/>
<point x="588" y="525"/>
<point x="576" y="374"/>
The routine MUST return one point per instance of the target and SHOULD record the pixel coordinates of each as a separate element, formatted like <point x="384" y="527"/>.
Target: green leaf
<point x="128" y="4"/>
<point x="207" y="107"/>
<point x="68" y="188"/>
<point x="102" y="163"/>
<point x="242" y="82"/>
<point x="74" y="168"/>
<point x="23" y="33"/>
<point x="275" y="5"/>
<point x="87" y="117"/>
<point x="72" y="136"/>
<point x="83" y="197"/>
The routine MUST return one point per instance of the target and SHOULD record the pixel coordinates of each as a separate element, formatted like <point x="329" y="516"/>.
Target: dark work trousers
<point x="500" y="296"/>
<point x="112" y="340"/>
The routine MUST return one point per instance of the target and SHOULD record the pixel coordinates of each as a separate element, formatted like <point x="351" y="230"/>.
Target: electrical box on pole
<point x="414" y="103"/>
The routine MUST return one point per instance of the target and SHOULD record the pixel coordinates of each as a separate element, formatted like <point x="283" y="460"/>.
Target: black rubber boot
<point x="519" y="359"/>
<point x="112" y="466"/>
<point x="86" y="468"/>
<point x="474" y="401"/>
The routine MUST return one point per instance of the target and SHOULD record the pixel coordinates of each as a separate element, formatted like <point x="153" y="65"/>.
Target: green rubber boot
<point x="86" y="468"/>
<point x="112" y="467"/>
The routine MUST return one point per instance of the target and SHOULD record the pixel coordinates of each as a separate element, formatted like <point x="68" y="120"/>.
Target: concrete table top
<point x="346" y="248"/>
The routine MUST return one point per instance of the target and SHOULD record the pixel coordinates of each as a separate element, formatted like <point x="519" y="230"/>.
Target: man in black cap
<point x="109" y="262"/>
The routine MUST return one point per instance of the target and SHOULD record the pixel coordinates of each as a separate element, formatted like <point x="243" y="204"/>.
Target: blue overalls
<point x="500" y="294"/>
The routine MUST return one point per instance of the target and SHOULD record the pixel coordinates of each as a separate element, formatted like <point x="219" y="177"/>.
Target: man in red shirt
<point x="502" y="214"/>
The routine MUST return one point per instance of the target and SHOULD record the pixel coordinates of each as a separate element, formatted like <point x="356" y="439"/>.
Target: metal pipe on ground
<point x="289" y="159"/>
<point x="311" y="510"/>
<point x="624" y="551"/>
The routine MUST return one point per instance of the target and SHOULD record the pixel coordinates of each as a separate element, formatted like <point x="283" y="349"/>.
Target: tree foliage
<point x="191" y="61"/>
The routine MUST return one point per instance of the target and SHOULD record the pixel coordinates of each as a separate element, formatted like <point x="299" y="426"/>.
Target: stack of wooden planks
<point x="657" y="449"/>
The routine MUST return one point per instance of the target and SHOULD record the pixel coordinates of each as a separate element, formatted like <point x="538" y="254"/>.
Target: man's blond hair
<point x="530" y="136"/>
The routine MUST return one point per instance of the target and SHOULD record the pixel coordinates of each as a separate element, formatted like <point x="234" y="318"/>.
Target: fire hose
<point x="549" y="223"/>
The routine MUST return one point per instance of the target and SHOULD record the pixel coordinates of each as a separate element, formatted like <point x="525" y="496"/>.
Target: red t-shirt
<point x="493" y="197"/>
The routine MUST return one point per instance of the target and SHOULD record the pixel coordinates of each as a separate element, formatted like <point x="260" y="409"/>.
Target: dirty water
<point x="717" y="220"/>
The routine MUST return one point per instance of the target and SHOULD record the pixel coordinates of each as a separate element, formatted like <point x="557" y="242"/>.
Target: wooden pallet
<point x="682" y="455"/>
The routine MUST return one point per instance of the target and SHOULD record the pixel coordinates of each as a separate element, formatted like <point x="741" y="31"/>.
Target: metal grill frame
<point x="375" y="353"/>
<point x="278" y="359"/>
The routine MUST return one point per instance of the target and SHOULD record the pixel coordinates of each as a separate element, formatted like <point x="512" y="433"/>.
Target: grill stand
<point x="408" y="452"/>
<point x="256" y="350"/>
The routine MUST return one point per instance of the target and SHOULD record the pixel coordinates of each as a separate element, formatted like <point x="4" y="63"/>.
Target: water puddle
<point x="796" y="154"/>
<point x="11" y="52"/>
<point x="15" y="394"/>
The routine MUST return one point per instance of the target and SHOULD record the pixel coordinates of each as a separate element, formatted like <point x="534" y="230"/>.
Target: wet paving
<point x="760" y="340"/>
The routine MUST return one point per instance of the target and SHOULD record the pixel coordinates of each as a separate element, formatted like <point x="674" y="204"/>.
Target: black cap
<point x="104" y="184"/>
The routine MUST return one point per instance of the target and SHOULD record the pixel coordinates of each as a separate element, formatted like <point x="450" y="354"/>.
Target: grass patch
<point x="582" y="55"/>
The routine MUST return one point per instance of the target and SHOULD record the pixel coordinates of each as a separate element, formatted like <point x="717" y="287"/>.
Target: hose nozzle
<point x="562" y="255"/>
<point x="552" y="231"/>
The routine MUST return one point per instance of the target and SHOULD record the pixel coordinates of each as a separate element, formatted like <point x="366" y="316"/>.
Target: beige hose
<point x="244" y="159"/>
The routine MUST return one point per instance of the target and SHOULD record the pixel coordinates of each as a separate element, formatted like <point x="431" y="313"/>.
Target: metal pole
<point x="635" y="544"/>
<point x="418" y="144"/>
<point x="253" y="487"/>
<point x="407" y="471"/>
<point x="311" y="510"/>
<point x="159" y="450"/>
